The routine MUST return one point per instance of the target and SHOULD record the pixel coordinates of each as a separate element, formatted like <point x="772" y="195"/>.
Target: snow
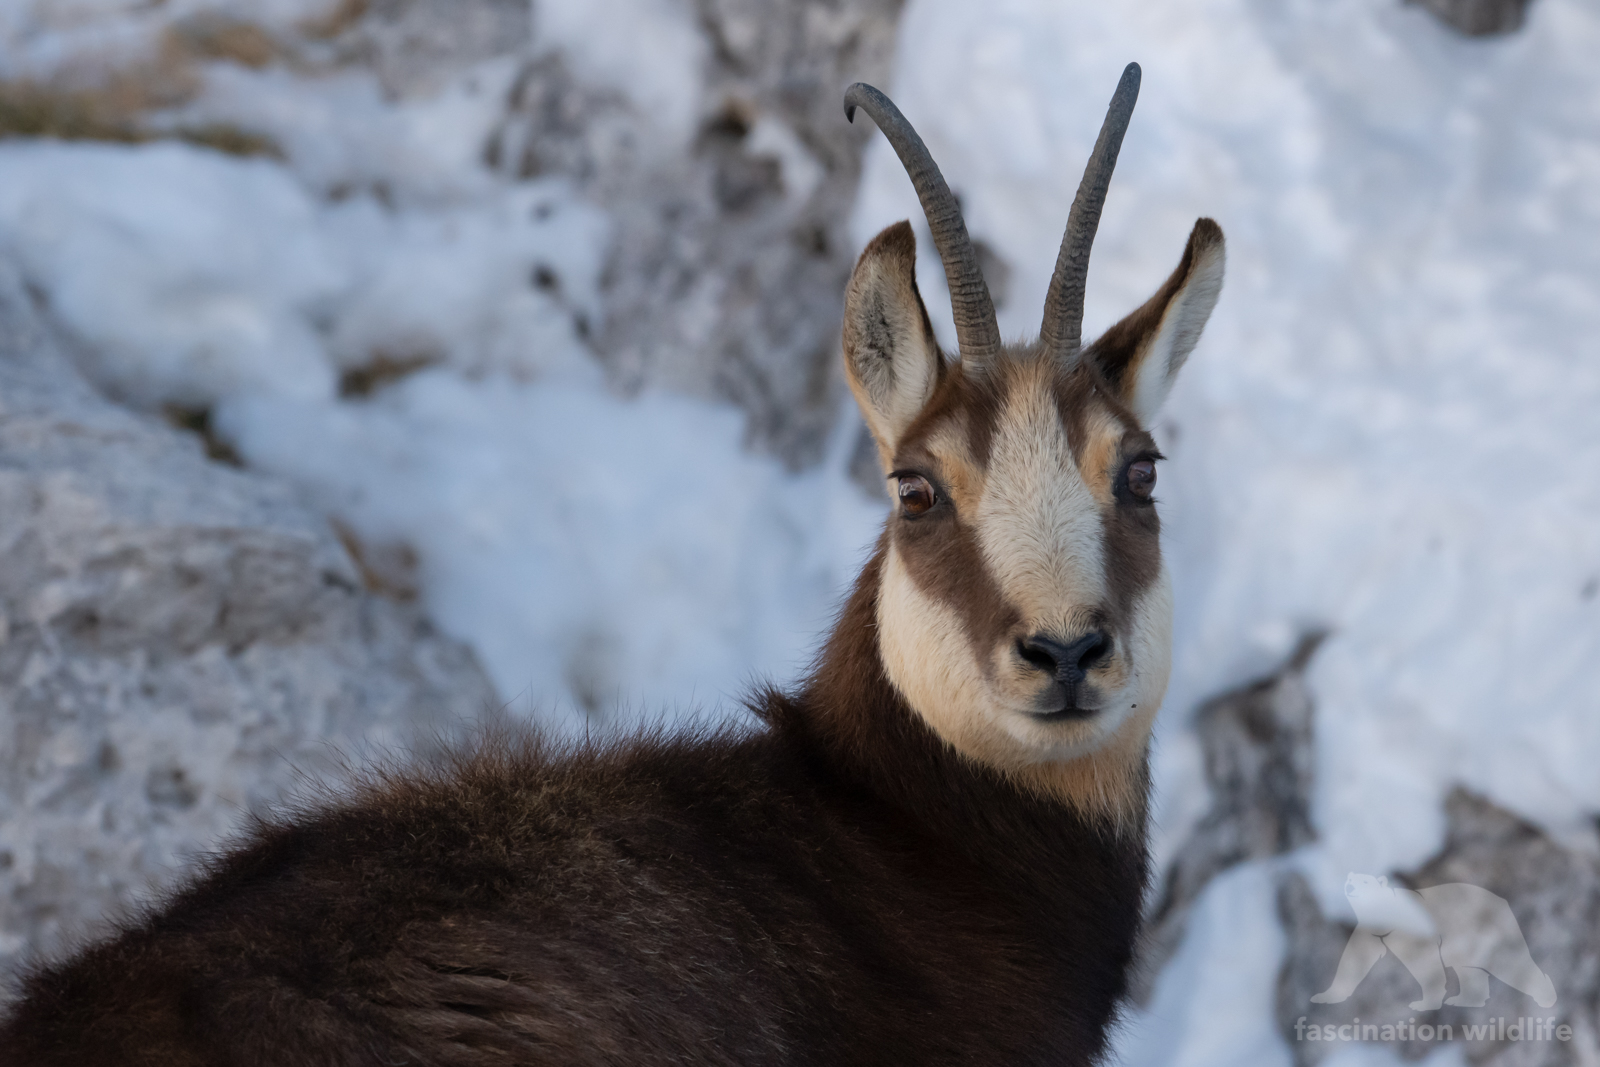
<point x="1388" y="431"/>
<point x="624" y="556"/>
<point x="462" y="284"/>
<point x="342" y="134"/>
<point x="187" y="275"/>
<point x="608" y="42"/>
<point x="1367" y="1055"/>
<point x="41" y="39"/>
<point x="1212" y="1005"/>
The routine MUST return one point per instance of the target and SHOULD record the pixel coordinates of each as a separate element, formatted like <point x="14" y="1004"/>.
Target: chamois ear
<point x="1141" y="355"/>
<point x="890" y="354"/>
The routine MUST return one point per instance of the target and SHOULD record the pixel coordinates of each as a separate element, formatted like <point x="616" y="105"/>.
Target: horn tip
<point x="1127" y="88"/>
<point x="853" y="96"/>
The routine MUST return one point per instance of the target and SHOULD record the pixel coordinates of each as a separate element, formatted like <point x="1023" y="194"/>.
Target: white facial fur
<point x="1038" y="522"/>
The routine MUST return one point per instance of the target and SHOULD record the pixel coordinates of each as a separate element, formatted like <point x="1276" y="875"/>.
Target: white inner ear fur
<point x="892" y="367"/>
<point x="1164" y="353"/>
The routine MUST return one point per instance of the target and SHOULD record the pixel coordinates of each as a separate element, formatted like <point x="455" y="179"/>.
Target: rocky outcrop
<point x="727" y="274"/>
<point x="730" y="248"/>
<point x="178" y="640"/>
<point x="413" y="45"/>
<point x="1258" y="743"/>
<point x="1554" y="894"/>
<point x="1478" y="18"/>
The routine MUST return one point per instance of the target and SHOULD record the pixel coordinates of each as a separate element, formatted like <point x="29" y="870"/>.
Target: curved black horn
<point x="976" y="329"/>
<point x="1062" y="331"/>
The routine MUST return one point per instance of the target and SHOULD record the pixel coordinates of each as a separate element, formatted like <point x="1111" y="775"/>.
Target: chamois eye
<point x="1142" y="478"/>
<point x="916" y="495"/>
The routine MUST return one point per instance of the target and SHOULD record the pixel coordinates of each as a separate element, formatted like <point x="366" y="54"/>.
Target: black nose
<point x="1066" y="662"/>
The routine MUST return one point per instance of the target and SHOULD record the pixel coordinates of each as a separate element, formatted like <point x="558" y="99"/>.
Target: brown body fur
<point x="837" y="887"/>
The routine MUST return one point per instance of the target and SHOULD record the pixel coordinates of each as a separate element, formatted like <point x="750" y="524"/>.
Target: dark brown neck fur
<point x="1072" y="885"/>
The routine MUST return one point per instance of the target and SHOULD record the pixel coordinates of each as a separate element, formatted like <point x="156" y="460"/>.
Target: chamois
<point x="932" y="852"/>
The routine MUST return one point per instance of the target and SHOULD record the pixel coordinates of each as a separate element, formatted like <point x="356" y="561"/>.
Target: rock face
<point x="727" y="276"/>
<point x="1554" y="895"/>
<point x="412" y="43"/>
<point x="1258" y="743"/>
<point x="177" y="639"/>
<point x="1478" y="18"/>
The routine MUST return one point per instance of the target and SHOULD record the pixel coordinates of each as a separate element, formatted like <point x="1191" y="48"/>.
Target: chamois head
<point x="1024" y="609"/>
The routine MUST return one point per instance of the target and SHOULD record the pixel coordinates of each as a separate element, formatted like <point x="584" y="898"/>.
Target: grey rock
<point x="1257" y="741"/>
<point x="413" y="45"/>
<point x="1478" y="18"/>
<point x="728" y="270"/>
<point x="726" y="275"/>
<point x="1553" y="892"/>
<point x="179" y="640"/>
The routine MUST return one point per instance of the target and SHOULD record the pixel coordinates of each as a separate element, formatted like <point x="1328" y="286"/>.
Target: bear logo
<point x="1456" y="925"/>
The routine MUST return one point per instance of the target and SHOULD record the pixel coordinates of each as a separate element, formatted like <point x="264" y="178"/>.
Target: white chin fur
<point x="930" y="661"/>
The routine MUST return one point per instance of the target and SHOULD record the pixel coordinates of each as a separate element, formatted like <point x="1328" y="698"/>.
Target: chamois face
<point x="1024" y="610"/>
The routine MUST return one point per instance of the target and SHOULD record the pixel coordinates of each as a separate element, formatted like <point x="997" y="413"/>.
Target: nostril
<point x="1039" y="652"/>
<point x="1097" y="649"/>
<point x="1067" y="662"/>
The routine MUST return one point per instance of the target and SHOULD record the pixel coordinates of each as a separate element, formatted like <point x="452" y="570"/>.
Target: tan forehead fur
<point x="1039" y="525"/>
<point x="1018" y="407"/>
